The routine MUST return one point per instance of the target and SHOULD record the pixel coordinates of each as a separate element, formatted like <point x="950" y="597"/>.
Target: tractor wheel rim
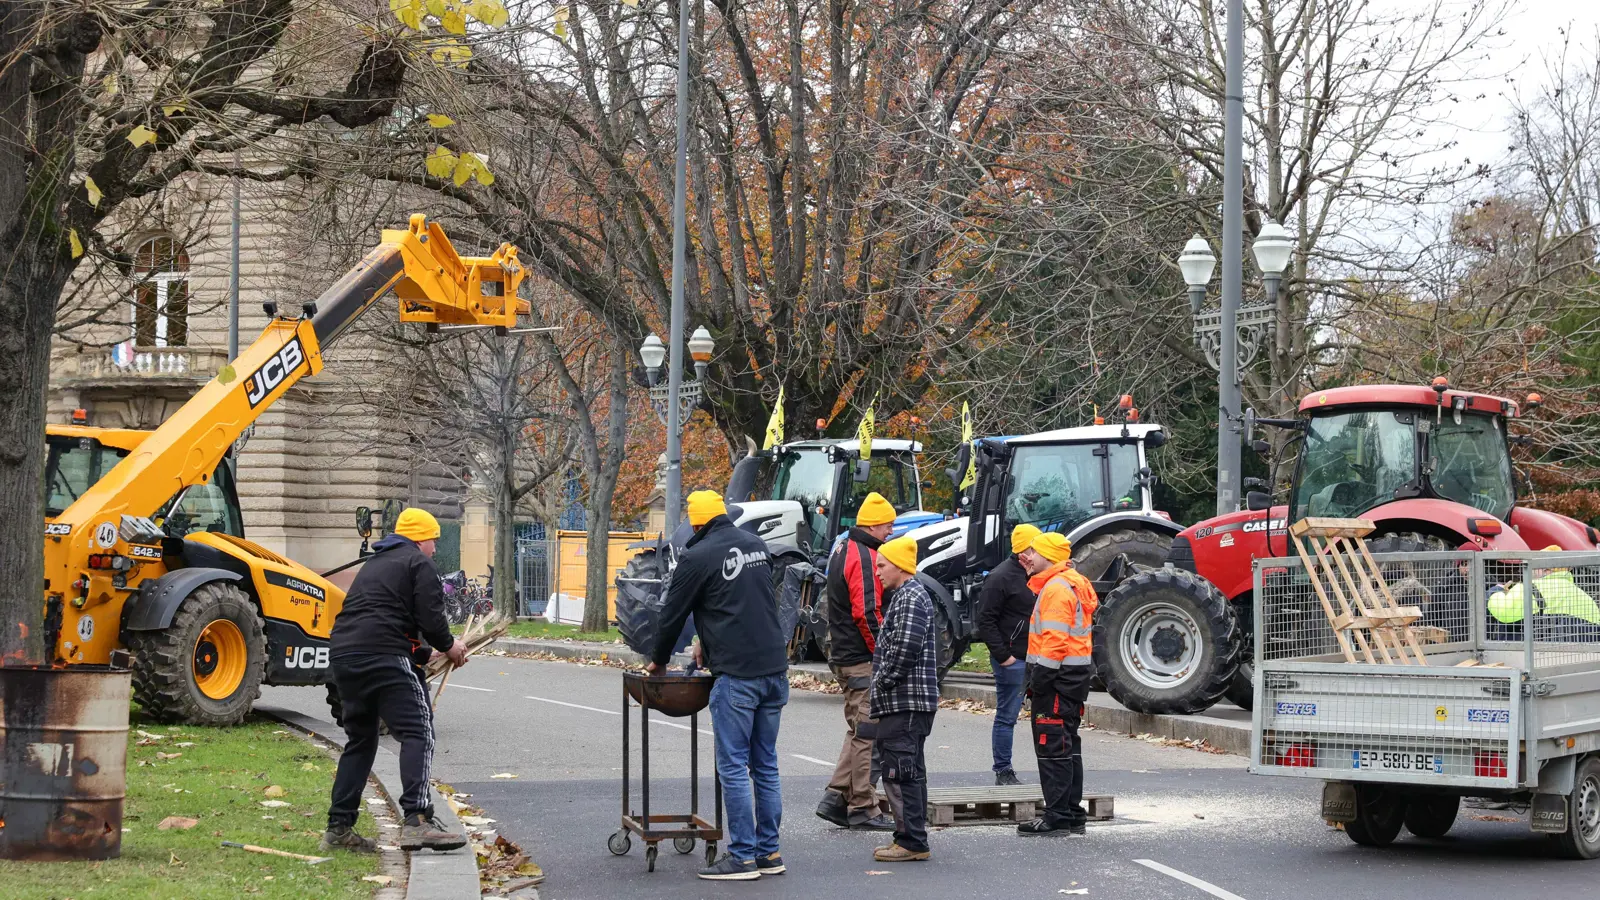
<point x="220" y="659"/>
<point x="1586" y="811"/>
<point x="1161" y="645"/>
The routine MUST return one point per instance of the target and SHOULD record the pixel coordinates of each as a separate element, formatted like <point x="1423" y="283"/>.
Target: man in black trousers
<point x="395" y="603"/>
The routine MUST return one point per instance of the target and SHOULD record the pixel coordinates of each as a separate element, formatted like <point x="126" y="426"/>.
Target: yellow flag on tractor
<point x="866" y="431"/>
<point x="775" y="424"/>
<point x="971" y="475"/>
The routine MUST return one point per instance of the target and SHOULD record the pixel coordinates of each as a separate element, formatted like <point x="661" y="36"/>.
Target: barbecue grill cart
<point x="676" y="695"/>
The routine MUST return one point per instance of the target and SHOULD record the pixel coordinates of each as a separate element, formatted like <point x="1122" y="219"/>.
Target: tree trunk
<point x="602" y="483"/>
<point x="36" y="159"/>
<point x="506" y="601"/>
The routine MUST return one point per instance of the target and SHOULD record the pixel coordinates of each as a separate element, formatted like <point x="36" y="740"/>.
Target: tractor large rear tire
<point x="951" y="650"/>
<point x="1143" y="546"/>
<point x="206" y="667"/>
<point x="1166" y="642"/>
<point x="1437" y="587"/>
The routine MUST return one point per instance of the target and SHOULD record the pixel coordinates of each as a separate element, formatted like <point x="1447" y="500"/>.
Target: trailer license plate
<point x="1397" y="761"/>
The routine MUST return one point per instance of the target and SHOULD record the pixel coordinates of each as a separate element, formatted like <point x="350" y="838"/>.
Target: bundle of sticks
<point x="481" y="631"/>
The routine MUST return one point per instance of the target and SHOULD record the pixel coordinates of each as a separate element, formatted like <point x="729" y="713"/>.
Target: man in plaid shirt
<point x="905" y="695"/>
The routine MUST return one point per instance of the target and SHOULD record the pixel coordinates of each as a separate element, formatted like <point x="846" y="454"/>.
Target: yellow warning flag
<point x="864" y="434"/>
<point x="775" y="424"/>
<point x="971" y="475"/>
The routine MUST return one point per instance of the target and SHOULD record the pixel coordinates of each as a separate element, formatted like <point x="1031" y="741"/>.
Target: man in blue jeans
<point x="1004" y="606"/>
<point x="724" y="577"/>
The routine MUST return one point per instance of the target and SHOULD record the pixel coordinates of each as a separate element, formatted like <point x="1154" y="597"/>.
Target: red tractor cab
<point x="1431" y="466"/>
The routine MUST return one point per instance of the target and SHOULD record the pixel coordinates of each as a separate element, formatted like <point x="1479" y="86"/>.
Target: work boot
<point x="726" y="868"/>
<point x="343" y="837"/>
<point x="428" y="832"/>
<point x="1044" y="826"/>
<point x="1006" y="778"/>
<point x="897" y="853"/>
<point x="860" y="821"/>
<point x="771" y="864"/>
<point x="833" y="808"/>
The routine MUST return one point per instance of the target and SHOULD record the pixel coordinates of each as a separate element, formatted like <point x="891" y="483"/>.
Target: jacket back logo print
<point x="736" y="560"/>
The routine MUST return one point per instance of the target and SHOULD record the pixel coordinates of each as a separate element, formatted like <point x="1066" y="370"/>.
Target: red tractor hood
<point x="1540" y="529"/>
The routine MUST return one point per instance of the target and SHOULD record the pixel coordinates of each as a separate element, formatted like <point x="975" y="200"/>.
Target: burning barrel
<point x="63" y="761"/>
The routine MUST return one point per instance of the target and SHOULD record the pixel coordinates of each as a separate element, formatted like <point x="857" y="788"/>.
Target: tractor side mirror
<point x="364" y="521"/>
<point x="1258" y="501"/>
<point x="1154" y="439"/>
<point x="863" y="470"/>
<point x="1261" y="447"/>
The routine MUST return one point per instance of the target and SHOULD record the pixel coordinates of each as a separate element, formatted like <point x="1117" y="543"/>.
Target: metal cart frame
<point x="682" y="829"/>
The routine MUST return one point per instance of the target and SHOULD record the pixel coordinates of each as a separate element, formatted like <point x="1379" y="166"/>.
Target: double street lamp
<point x="675" y="401"/>
<point x="1230" y="337"/>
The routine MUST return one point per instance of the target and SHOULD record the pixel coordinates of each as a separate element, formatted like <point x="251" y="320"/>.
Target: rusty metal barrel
<point x="63" y="761"/>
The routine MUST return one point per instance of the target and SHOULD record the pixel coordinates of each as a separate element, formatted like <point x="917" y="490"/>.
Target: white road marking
<point x="1188" y="879"/>
<point x="676" y="725"/>
<point x="609" y="712"/>
<point x="813" y="759"/>
<point x="468" y="687"/>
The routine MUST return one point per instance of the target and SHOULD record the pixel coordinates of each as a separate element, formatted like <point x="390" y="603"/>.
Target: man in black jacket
<point x="394" y="604"/>
<point x="854" y="613"/>
<point x="724" y="578"/>
<point x="1004" y="606"/>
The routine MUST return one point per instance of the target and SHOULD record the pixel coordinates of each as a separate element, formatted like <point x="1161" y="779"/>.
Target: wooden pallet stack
<point x="1355" y="597"/>
<point x="480" y="632"/>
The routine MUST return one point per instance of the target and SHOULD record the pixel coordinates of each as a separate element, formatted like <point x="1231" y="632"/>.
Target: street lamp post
<point x="674" y="402"/>
<point x="1231" y="345"/>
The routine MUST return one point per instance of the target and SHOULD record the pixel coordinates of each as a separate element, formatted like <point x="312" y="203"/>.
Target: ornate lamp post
<point x="683" y="399"/>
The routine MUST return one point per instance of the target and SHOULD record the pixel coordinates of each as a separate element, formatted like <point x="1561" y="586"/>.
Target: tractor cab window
<point x="208" y="506"/>
<point x="1355" y="461"/>
<point x="1053" y="487"/>
<point x="892" y="475"/>
<point x="1470" y="464"/>
<point x="72" y="467"/>
<point x="806" y="476"/>
<point x="1127" y="493"/>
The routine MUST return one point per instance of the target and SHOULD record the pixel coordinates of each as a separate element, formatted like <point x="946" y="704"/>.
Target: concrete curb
<point x="434" y="876"/>
<point x="1101" y="711"/>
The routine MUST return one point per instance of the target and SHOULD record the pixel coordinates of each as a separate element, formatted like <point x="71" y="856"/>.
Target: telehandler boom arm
<point x="435" y="287"/>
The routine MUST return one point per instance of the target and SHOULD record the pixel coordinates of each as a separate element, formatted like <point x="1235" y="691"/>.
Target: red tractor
<point x="1430" y="466"/>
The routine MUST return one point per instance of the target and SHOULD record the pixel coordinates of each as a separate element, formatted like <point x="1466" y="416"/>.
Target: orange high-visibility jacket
<point x="1063" y="618"/>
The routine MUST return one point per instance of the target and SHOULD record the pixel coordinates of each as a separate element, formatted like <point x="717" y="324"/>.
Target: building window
<point x="161" y="294"/>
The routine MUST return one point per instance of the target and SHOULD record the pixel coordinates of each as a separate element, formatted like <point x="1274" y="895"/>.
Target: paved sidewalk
<point x="1224" y="726"/>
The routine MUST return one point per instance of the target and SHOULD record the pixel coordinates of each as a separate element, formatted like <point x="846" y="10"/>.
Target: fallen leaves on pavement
<point x="502" y="866"/>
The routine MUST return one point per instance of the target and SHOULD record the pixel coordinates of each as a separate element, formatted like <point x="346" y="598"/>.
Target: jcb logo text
<point x="305" y="657"/>
<point x="271" y="374"/>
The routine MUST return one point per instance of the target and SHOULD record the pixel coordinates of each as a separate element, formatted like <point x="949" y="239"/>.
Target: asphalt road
<point x="1189" y="824"/>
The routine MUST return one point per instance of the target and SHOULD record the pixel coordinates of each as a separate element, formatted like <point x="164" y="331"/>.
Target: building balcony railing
<point x="177" y="364"/>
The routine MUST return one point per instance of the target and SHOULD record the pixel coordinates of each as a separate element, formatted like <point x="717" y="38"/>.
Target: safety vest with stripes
<point x="1059" y="633"/>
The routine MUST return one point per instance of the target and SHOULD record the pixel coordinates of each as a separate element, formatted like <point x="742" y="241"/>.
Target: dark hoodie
<point x="724" y="578"/>
<point x="395" y="604"/>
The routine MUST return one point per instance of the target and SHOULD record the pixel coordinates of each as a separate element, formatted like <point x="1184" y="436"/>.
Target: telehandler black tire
<point x="206" y="667"/>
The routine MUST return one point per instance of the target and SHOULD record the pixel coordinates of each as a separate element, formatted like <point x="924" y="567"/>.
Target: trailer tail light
<point x="110" y="561"/>
<point x="1298" y="756"/>
<point x="1489" y="764"/>
<point x="1484" y="527"/>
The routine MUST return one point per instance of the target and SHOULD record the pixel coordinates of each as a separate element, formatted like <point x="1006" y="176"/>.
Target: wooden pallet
<point x="1354" y="596"/>
<point x="999" y="805"/>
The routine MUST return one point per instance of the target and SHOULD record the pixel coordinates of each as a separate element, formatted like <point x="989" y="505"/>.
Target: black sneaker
<point x="726" y="868"/>
<point x="770" y="865"/>
<point x="343" y="837"/>
<point x="833" y="809"/>
<point x="1006" y="778"/>
<point x="1043" y="826"/>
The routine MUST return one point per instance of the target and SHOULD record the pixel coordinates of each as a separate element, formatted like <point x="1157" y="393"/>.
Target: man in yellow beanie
<point x="1060" y="669"/>
<point x="905" y="695"/>
<point x="1004" y="605"/>
<point x="724" y="577"/>
<point x="394" y="605"/>
<point x="854" y="612"/>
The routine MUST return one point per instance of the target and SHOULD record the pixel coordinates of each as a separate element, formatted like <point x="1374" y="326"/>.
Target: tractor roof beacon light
<point x="653" y="354"/>
<point x="1272" y="249"/>
<point x="80" y="416"/>
<point x="1533" y="402"/>
<point x="700" y="348"/>
<point x="1197" y="262"/>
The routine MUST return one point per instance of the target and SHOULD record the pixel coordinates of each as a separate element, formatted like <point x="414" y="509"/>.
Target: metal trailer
<point x="1503" y="712"/>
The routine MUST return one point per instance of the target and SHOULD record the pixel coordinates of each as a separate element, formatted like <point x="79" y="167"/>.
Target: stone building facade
<point x="139" y="343"/>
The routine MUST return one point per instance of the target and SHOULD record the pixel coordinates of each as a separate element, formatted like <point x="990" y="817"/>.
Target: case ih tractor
<point x="1430" y="466"/>
<point x="1090" y="483"/>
